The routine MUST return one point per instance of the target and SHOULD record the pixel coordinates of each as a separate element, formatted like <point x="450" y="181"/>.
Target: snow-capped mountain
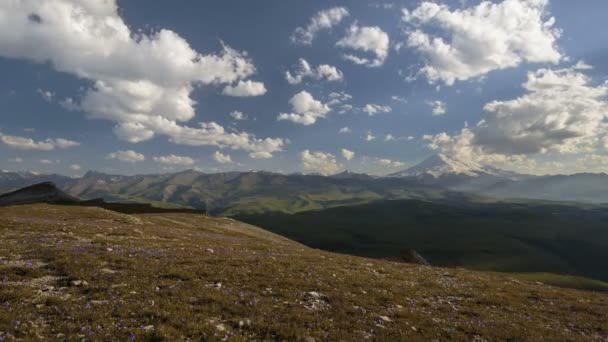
<point x="440" y="165"/>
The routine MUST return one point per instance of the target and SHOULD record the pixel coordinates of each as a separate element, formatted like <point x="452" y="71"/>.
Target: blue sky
<point x="93" y="85"/>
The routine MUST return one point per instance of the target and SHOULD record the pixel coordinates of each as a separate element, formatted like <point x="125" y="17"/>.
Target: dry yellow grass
<point x="86" y="273"/>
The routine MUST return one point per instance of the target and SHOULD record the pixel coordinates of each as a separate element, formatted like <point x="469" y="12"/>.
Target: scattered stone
<point x="385" y="319"/>
<point x="244" y="323"/>
<point x="309" y="339"/>
<point x="315" y="301"/>
<point x="220" y="327"/>
<point x="109" y="249"/>
<point x="148" y="328"/>
<point x="210" y="250"/>
<point x="107" y="271"/>
<point x="79" y="283"/>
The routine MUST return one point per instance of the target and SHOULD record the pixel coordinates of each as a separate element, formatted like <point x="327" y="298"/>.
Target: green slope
<point x="504" y="237"/>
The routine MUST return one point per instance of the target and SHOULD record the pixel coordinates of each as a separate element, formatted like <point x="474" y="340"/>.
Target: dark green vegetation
<point x="74" y="273"/>
<point x="505" y="237"/>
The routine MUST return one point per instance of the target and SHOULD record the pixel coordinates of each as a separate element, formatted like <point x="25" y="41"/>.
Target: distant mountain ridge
<point x="439" y="177"/>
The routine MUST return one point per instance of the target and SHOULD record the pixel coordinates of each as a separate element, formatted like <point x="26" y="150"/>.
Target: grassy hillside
<point x="87" y="273"/>
<point x="505" y="237"/>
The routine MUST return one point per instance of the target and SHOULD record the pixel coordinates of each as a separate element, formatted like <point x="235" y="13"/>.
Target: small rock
<point x="79" y="283"/>
<point x="414" y="328"/>
<point x="220" y="327"/>
<point x="149" y="328"/>
<point x="210" y="250"/>
<point x="385" y="319"/>
<point x="309" y="339"/>
<point x="109" y="249"/>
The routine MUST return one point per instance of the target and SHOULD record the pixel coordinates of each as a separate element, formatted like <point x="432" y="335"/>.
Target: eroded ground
<point x="86" y="273"/>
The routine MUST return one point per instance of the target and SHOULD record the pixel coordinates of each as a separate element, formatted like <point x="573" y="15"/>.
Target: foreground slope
<point x="91" y="273"/>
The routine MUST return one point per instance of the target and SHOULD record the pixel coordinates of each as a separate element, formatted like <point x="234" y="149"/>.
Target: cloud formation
<point x="245" y="89"/>
<point x="321" y="72"/>
<point x="369" y="39"/>
<point x="222" y="158"/>
<point x="465" y="43"/>
<point x="373" y="109"/>
<point x="126" y="156"/>
<point x="142" y="82"/>
<point x="562" y="112"/>
<point x="323" y="20"/>
<point x="306" y="110"/>
<point x="31" y="144"/>
<point x="348" y="154"/>
<point x="173" y="159"/>
<point x="319" y="162"/>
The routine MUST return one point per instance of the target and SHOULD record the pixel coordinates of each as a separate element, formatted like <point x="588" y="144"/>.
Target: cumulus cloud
<point x="348" y="154"/>
<point x="345" y="130"/>
<point x="373" y="109"/>
<point x="369" y="39"/>
<point x="369" y="137"/>
<point x="319" y="162"/>
<point x="173" y="159"/>
<point x="438" y="107"/>
<point x="75" y="167"/>
<point x="321" y="72"/>
<point x="31" y="144"/>
<point x="466" y="43"/>
<point x="562" y="112"/>
<point x="389" y="163"/>
<point x="323" y="20"/>
<point x="46" y="161"/>
<point x="126" y="156"/>
<point x="140" y="81"/>
<point x="245" y="89"/>
<point x="306" y="110"/>
<point x="236" y="115"/>
<point x="222" y="158"/>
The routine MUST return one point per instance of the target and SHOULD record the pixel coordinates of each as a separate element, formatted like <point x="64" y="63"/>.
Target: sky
<point x="319" y="86"/>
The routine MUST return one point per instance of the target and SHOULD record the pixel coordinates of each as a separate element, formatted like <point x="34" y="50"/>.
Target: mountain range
<point x="437" y="178"/>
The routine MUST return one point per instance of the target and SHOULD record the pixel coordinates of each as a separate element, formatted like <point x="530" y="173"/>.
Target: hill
<point x="505" y="237"/>
<point x="89" y="273"/>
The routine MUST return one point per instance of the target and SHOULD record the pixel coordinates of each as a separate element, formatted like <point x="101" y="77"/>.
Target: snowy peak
<point x="440" y="165"/>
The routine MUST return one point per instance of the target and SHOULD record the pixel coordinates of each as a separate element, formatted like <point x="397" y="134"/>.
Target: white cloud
<point x="126" y="156"/>
<point x="30" y="144"/>
<point x="369" y="39"/>
<point x="323" y="20"/>
<point x="345" y="130"/>
<point x="173" y="159"/>
<point x="466" y="43"/>
<point x="16" y="160"/>
<point x="389" y="163"/>
<point x="389" y="137"/>
<point x="398" y="99"/>
<point x="222" y="158"/>
<point x="438" y="107"/>
<point x="306" y="110"/>
<point x="46" y="161"/>
<point x="369" y="136"/>
<point x="562" y="112"/>
<point x="142" y="82"/>
<point x="319" y="162"/>
<point x="373" y="109"/>
<point x="321" y="72"/>
<point x="47" y="95"/>
<point x="260" y="155"/>
<point x="348" y="154"/>
<point x="75" y="167"/>
<point x="245" y="89"/>
<point x="236" y="115"/>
